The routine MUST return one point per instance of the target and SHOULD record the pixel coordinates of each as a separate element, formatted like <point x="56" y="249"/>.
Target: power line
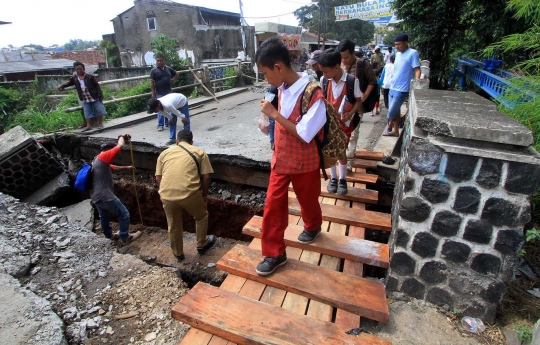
<point x="279" y="15"/>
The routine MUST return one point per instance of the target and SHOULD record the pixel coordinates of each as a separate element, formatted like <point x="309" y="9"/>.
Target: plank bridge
<point x="320" y="293"/>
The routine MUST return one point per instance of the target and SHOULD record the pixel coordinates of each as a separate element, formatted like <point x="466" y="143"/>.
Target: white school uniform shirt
<point x="337" y="88"/>
<point x="388" y="73"/>
<point x="171" y="103"/>
<point x="315" y="118"/>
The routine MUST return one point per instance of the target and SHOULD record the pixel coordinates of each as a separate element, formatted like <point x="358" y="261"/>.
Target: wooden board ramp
<point x="245" y="321"/>
<point x="295" y="305"/>
<point x="364" y="163"/>
<point x="357" y="295"/>
<point x="344" y="247"/>
<point x="367" y="196"/>
<point x="343" y="215"/>
<point x="358" y="177"/>
<point x="371" y="155"/>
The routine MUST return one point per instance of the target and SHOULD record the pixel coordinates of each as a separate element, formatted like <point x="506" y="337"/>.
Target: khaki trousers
<point x="195" y="206"/>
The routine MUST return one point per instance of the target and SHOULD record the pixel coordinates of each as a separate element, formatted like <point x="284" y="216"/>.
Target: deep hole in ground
<point x="231" y="204"/>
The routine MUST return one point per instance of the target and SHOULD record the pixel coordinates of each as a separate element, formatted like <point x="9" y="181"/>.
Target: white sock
<point x="343" y="171"/>
<point x="333" y="172"/>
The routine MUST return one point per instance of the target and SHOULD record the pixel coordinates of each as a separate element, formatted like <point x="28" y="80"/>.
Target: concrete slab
<point x="466" y="115"/>
<point x="143" y="116"/>
<point x="82" y="213"/>
<point x="12" y="141"/>
<point x="51" y="191"/>
<point x="27" y="318"/>
<point x="229" y="129"/>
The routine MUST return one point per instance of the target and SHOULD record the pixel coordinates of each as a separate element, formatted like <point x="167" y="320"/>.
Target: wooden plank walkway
<point x="344" y="247"/>
<point x="297" y="304"/>
<point x="268" y="325"/>
<point x="347" y="216"/>
<point x="355" y="294"/>
<point x="358" y="177"/>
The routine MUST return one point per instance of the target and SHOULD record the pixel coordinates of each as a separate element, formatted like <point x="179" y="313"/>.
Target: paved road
<point x="228" y="128"/>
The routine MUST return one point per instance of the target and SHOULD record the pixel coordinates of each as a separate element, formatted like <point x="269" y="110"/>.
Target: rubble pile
<point x="87" y="283"/>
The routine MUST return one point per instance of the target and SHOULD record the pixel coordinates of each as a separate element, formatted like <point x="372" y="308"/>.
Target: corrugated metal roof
<point x="223" y="13"/>
<point x="20" y="56"/>
<point x="30" y="66"/>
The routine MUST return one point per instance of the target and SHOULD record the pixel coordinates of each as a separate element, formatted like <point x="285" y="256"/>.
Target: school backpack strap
<point x="349" y="83"/>
<point x="325" y="86"/>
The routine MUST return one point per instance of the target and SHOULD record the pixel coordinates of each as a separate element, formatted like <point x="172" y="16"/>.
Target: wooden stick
<point x="200" y="82"/>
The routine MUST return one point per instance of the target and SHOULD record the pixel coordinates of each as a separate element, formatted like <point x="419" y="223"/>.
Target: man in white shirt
<point x="173" y="106"/>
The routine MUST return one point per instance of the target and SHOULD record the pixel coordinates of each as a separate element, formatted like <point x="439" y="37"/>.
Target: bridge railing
<point x="495" y="84"/>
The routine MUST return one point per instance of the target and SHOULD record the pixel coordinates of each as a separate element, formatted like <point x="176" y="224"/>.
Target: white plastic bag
<point x="264" y="121"/>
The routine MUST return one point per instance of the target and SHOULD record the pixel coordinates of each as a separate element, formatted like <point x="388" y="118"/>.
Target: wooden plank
<point x="245" y="321"/>
<point x="354" y="249"/>
<point x="344" y="318"/>
<point x="196" y="337"/>
<point x="364" y="163"/>
<point x="318" y="309"/>
<point x="342" y="215"/>
<point x="363" y="154"/>
<point x="358" y="295"/>
<point x="358" y="177"/>
<point x="367" y="196"/>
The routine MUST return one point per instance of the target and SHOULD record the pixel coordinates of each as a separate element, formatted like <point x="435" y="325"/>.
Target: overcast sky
<point x="48" y="22"/>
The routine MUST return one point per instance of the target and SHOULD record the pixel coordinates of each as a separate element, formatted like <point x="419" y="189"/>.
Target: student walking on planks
<point x="295" y="158"/>
<point x="337" y="85"/>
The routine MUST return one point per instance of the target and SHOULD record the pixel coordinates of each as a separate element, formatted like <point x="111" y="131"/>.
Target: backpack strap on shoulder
<point x="307" y="95"/>
<point x="349" y="82"/>
<point x="325" y="86"/>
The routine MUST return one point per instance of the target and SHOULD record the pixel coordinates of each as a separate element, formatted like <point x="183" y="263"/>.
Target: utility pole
<point x="325" y="10"/>
<point x="319" y="31"/>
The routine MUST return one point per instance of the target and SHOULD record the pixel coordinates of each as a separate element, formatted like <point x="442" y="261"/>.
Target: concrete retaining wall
<point x="461" y="202"/>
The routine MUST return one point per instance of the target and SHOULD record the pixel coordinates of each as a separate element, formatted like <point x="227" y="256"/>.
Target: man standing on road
<point x="102" y="192"/>
<point x="89" y="93"/>
<point x="302" y="60"/>
<point x="387" y="56"/>
<point x="315" y="73"/>
<point x="179" y="172"/>
<point x="367" y="80"/>
<point x="173" y="106"/>
<point x="161" y="78"/>
<point x="406" y="66"/>
<point x="377" y="58"/>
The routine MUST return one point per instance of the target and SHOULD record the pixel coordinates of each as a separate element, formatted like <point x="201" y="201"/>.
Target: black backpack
<point x="349" y="83"/>
<point x="373" y="97"/>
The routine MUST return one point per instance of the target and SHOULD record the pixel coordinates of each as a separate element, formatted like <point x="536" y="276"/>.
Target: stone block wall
<point x="459" y="210"/>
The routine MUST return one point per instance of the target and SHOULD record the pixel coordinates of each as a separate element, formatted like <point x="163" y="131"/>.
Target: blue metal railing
<point x="495" y="84"/>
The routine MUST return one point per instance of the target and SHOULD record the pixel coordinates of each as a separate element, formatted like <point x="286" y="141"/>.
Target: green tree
<point x="113" y="53"/>
<point x="442" y="30"/>
<point x="359" y="31"/>
<point x="523" y="90"/>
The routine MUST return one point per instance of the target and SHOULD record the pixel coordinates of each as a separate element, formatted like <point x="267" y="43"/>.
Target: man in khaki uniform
<point x="179" y="172"/>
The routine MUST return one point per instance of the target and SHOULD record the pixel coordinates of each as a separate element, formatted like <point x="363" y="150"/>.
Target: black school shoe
<point x="180" y="257"/>
<point x="342" y="187"/>
<point x="332" y="186"/>
<point x="211" y="242"/>
<point x="307" y="237"/>
<point x="269" y="264"/>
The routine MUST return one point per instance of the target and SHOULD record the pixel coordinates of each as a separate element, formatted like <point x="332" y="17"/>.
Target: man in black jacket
<point x="89" y="93"/>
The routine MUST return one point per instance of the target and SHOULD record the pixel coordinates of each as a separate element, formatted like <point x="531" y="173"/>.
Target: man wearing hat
<point x="406" y="66"/>
<point x="315" y="73"/>
<point x="102" y="192"/>
<point x="377" y="59"/>
<point x="173" y="106"/>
